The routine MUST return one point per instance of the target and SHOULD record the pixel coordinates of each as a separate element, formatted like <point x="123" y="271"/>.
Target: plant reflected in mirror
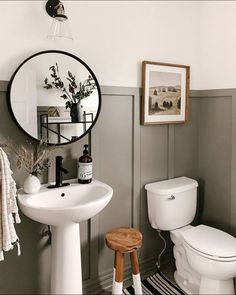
<point x="76" y="90"/>
<point x="55" y="97"/>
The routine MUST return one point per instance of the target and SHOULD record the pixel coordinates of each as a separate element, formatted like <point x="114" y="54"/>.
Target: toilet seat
<point x="211" y="243"/>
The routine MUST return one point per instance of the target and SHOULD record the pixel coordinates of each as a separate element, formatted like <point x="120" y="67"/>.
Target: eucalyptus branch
<point x="68" y="94"/>
<point x="76" y="92"/>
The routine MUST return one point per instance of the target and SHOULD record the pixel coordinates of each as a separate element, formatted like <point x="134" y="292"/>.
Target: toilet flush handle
<point x="171" y="198"/>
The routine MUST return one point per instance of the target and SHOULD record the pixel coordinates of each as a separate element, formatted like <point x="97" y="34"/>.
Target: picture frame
<point x="165" y="93"/>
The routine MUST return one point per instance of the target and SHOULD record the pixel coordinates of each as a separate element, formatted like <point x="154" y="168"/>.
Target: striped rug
<point x="156" y="284"/>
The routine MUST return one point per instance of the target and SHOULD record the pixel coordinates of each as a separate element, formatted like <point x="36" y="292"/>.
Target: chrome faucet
<point x="59" y="170"/>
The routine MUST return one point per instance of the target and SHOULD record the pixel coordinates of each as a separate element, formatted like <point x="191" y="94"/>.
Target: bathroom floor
<point x="168" y="270"/>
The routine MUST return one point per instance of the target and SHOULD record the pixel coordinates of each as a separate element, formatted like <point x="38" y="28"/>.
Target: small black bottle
<point x="85" y="167"/>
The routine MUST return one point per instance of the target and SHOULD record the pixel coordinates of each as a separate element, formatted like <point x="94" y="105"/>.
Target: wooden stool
<point x="125" y="240"/>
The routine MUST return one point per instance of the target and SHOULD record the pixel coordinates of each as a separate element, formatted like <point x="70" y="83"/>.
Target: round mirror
<point x="55" y="97"/>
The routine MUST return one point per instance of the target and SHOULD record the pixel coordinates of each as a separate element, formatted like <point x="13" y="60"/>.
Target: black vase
<point x="76" y="112"/>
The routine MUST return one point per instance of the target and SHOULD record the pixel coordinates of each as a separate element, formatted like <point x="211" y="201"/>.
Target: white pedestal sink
<point x="64" y="208"/>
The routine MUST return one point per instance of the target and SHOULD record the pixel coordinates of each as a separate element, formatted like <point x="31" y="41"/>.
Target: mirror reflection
<point x="55" y="96"/>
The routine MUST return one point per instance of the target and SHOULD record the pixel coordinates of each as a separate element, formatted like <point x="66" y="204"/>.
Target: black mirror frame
<point x="79" y="60"/>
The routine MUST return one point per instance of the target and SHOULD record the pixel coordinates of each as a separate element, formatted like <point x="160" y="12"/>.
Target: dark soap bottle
<point x="85" y="167"/>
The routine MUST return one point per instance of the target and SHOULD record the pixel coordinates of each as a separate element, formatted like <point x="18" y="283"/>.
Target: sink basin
<point x="64" y="205"/>
<point x="64" y="208"/>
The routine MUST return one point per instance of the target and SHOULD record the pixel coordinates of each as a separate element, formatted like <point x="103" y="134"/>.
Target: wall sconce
<point x="60" y="26"/>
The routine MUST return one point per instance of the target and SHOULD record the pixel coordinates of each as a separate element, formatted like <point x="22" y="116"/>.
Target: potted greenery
<point x="75" y="92"/>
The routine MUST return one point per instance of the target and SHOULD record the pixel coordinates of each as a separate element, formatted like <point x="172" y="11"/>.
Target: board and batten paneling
<point x="30" y="273"/>
<point x="127" y="156"/>
<point x="18" y="274"/>
<point x="186" y="142"/>
<point x="116" y="154"/>
<point x="233" y="166"/>
<point x="113" y="165"/>
<point x="215" y="159"/>
<point x="154" y="167"/>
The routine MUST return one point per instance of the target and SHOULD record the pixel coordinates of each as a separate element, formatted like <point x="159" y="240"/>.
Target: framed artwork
<point x="165" y="93"/>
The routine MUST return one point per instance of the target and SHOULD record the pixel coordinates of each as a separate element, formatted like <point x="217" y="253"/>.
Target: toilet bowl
<point x="212" y="254"/>
<point x="205" y="257"/>
<point x="185" y="276"/>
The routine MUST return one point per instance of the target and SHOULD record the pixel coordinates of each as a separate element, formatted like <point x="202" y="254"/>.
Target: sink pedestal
<point x="66" y="276"/>
<point x="80" y="202"/>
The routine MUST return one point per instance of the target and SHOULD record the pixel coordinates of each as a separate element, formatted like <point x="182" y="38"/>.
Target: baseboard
<point x="104" y="281"/>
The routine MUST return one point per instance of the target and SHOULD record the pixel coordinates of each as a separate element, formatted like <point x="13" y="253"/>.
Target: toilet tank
<point x="172" y="203"/>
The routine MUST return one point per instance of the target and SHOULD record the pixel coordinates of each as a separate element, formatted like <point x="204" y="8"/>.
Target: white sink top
<point x="64" y="205"/>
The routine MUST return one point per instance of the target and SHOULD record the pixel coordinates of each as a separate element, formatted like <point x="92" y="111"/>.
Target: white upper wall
<point x="112" y="37"/>
<point x="217" y="58"/>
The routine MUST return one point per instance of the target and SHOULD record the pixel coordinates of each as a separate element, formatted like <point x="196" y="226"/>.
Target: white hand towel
<point x="8" y="207"/>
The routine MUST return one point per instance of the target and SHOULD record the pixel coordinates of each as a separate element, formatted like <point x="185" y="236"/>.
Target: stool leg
<point x="136" y="273"/>
<point x="114" y="276"/>
<point x="119" y="265"/>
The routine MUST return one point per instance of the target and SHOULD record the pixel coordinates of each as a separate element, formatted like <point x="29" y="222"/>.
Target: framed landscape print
<point x="165" y="93"/>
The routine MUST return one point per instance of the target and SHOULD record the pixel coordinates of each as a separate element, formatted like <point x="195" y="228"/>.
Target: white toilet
<point x="205" y="257"/>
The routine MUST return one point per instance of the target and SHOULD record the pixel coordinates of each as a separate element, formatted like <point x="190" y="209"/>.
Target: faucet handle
<point x="59" y="170"/>
<point x="59" y="158"/>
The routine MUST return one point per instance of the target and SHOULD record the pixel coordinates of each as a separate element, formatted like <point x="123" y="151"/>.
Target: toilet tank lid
<point x="171" y="186"/>
<point x="210" y="241"/>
